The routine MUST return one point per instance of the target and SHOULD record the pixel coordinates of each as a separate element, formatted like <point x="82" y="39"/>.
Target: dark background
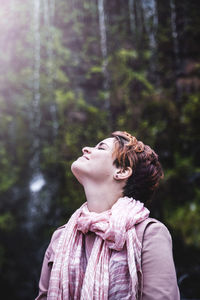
<point x="71" y="72"/>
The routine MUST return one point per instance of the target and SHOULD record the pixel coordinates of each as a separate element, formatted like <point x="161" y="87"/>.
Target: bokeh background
<point x="72" y="71"/>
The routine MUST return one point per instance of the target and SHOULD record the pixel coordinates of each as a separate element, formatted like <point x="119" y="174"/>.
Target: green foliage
<point x="126" y="55"/>
<point x="7" y="178"/>
<point x="186" y="220"/>
<point x="190" y="116"/>
<point x="7" y="222"/>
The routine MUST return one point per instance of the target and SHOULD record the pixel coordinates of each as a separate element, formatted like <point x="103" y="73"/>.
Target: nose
<point x="86" y="150"/>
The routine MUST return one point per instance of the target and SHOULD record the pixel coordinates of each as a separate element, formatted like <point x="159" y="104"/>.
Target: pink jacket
<point x="159" y="276"/>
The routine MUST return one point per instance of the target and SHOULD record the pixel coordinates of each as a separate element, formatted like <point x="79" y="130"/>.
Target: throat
<point x="100" y="199"/>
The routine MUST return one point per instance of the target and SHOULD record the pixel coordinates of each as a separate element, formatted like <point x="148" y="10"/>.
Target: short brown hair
<point x="147" y="170"/>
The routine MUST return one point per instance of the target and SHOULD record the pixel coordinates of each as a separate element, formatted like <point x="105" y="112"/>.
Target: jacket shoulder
<point x="150" y="227"/>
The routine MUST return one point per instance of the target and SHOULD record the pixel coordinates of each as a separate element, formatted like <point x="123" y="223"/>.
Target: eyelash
<point x="100" y="148"/>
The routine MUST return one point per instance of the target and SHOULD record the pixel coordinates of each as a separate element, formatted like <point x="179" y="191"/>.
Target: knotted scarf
<point x="73" y="277"/>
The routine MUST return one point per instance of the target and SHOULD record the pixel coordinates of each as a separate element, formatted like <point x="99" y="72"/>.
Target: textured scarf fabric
<point x="72" y="277"/>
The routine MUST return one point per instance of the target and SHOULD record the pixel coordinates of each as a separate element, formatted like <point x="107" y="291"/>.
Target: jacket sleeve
<point x="159" y="275"/>
<point x="47" y="265"/>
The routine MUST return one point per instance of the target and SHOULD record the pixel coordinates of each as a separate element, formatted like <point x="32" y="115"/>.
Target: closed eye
<point x="102" y="146"/>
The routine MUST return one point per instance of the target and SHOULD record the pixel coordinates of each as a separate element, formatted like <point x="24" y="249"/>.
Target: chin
<point x="76" y="170"/>
<point x="74" y="167"/>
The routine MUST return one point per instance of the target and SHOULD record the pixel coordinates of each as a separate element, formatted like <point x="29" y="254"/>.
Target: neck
<point x="101" y="197"/>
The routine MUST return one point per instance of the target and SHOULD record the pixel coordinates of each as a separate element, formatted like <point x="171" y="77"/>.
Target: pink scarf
<point x="73" y="277"/>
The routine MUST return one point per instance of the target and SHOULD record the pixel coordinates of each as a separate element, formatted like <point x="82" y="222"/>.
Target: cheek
<point x="105" y="165"/>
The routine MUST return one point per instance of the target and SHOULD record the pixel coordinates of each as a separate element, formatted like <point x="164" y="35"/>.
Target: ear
<point x="121" y="174"/>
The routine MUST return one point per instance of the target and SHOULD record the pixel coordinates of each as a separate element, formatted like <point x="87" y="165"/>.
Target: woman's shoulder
<point x="54" y="241"/>
<point x="156" y="251"/>
<point x="58" y="231"/>
<point x="152" y="228"/>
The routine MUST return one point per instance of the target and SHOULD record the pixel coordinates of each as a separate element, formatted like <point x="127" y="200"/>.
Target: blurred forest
<point x="73" y="71"/>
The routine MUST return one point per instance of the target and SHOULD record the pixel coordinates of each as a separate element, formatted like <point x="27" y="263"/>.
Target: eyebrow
<point x="101" y="144"/>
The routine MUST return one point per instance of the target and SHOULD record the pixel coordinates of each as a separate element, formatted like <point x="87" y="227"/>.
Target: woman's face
<point x="96" y="163"/>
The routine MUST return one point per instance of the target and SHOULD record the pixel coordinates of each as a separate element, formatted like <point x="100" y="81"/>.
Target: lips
<point x="85" y="157"/>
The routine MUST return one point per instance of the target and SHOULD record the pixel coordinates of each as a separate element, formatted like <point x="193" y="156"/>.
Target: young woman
<point x="110" y="248"/>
